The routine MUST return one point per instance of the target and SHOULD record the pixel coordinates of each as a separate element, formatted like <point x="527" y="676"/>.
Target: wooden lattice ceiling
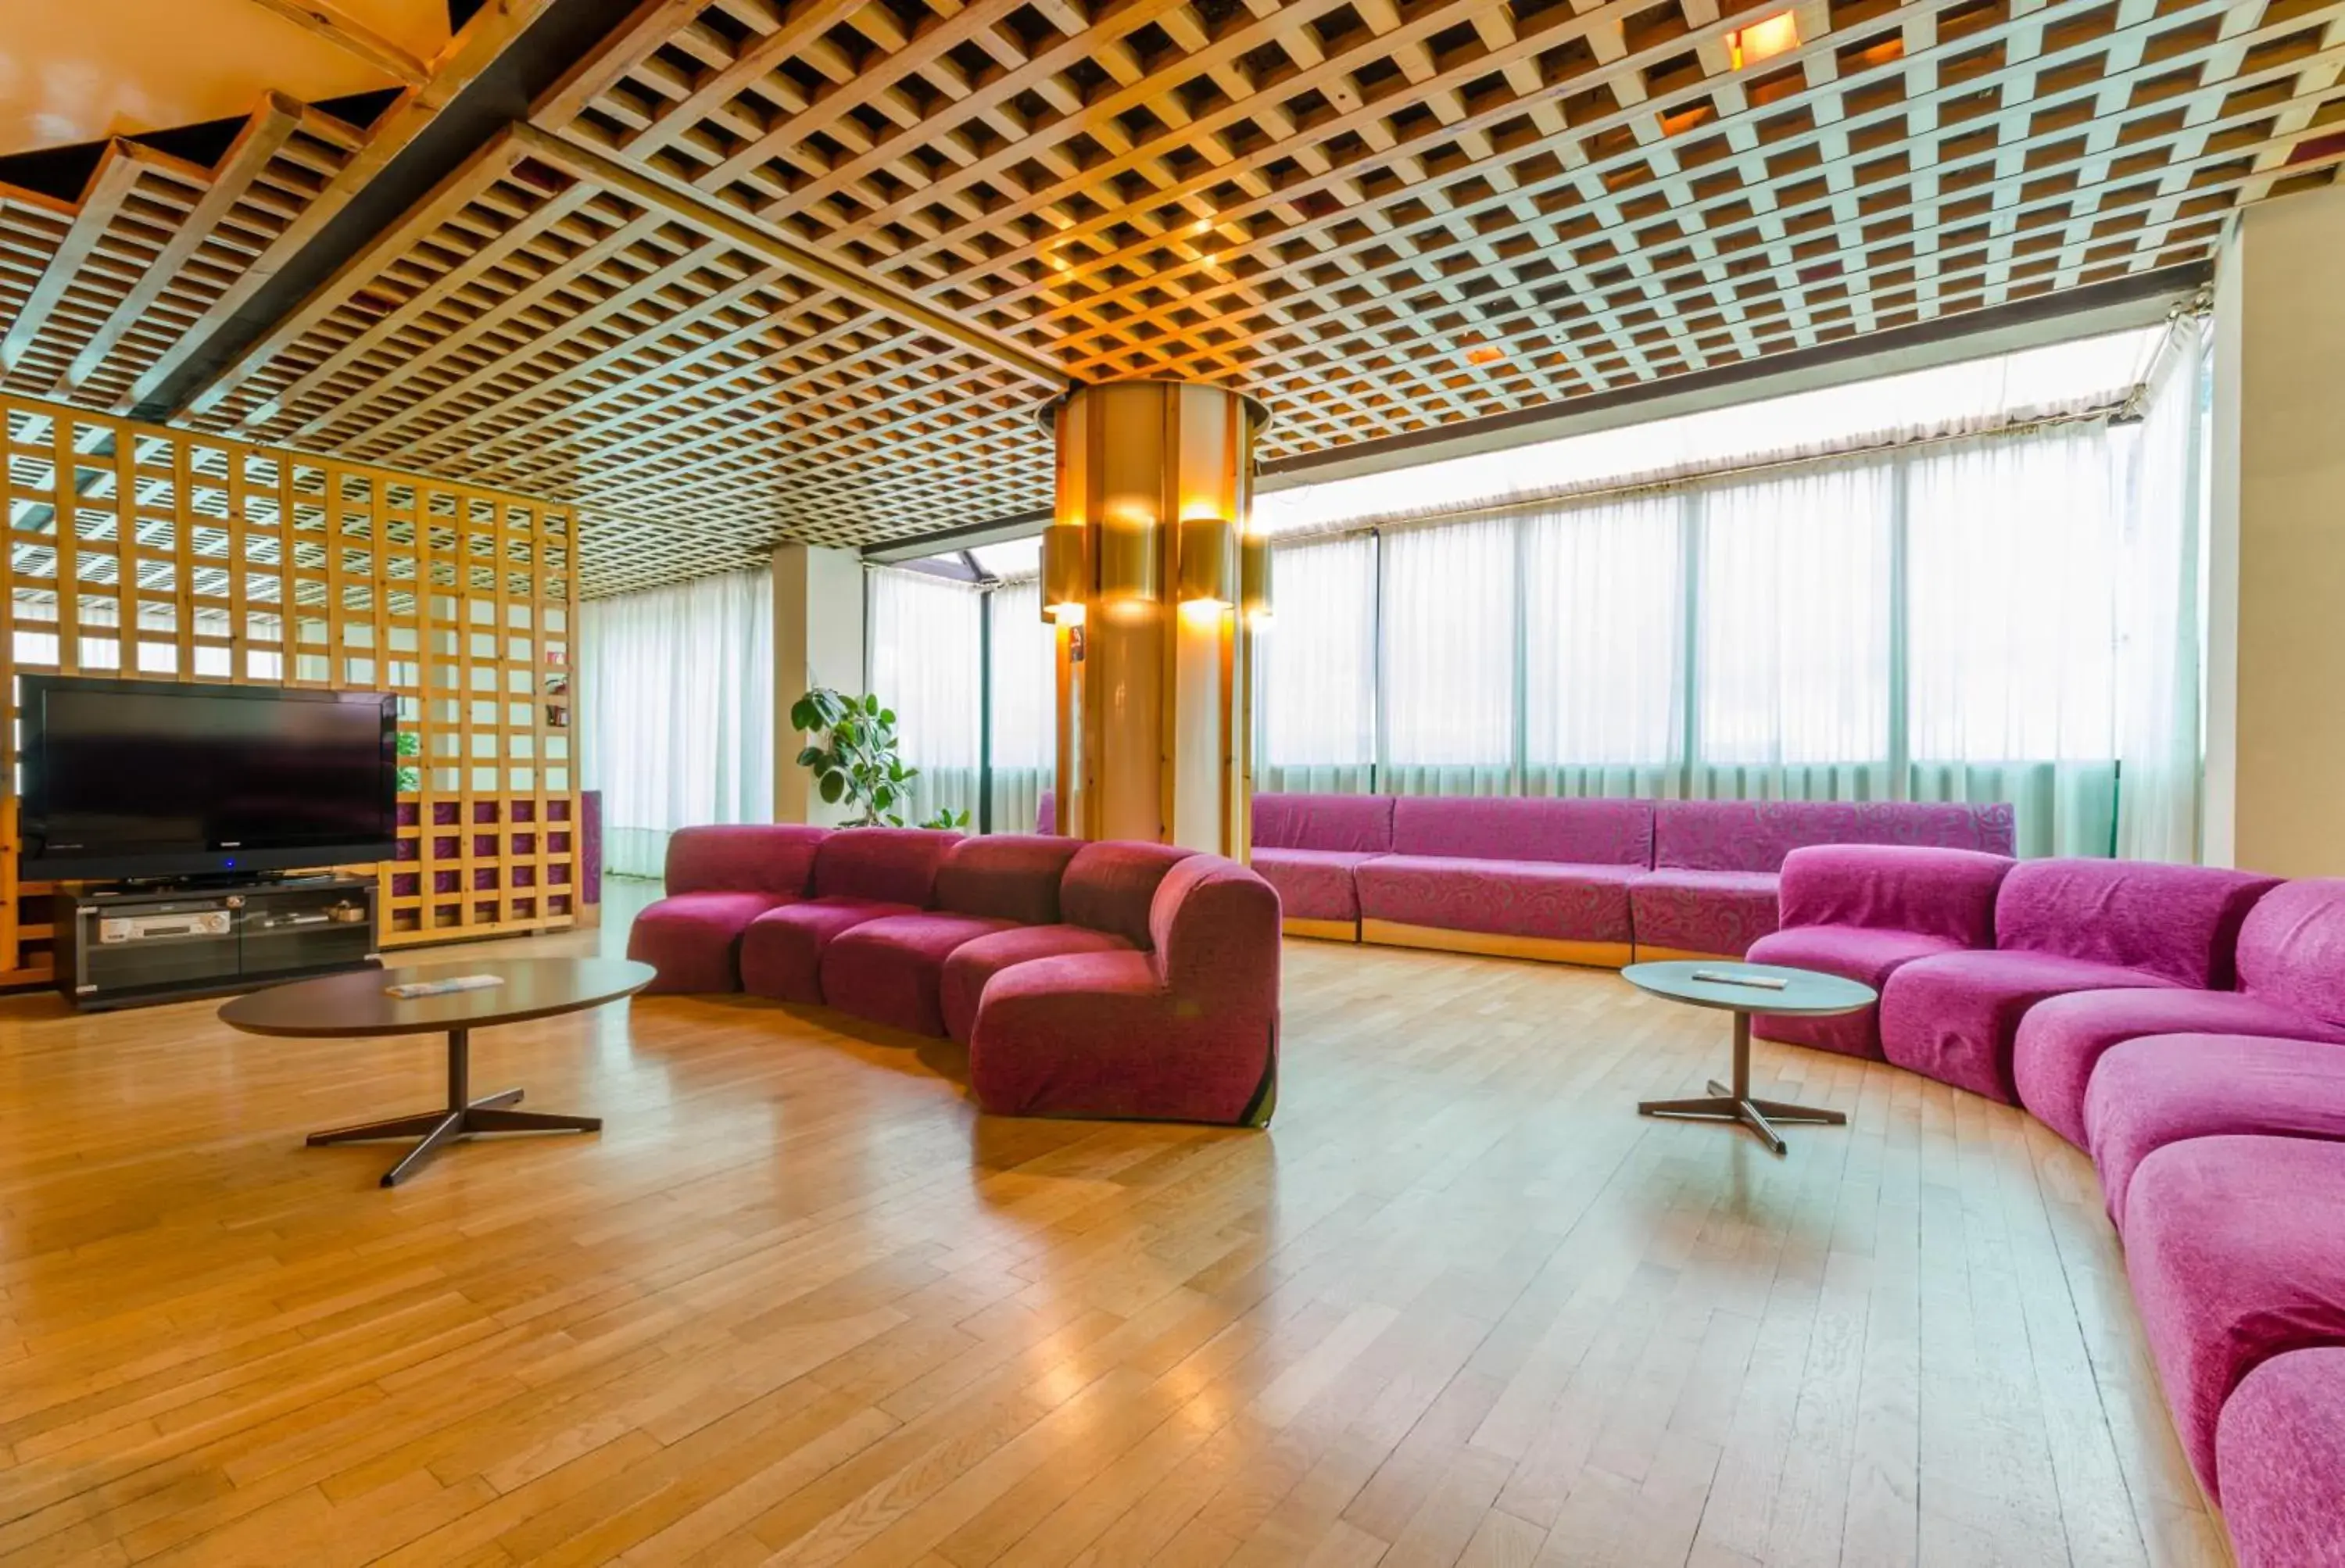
<point x="755" y="270"/>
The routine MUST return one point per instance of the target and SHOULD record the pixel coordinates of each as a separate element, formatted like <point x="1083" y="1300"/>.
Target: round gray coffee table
<point x="1804" y="993"/>
<point x="356" y="1005"/>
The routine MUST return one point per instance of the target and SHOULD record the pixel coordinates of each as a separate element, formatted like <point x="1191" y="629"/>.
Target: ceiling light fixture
<point x="1485" y="354"/>
<point x="1778" y="35"/>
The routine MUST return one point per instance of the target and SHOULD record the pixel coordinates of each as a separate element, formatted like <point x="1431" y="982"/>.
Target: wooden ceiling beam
<point x="692" y="207"/>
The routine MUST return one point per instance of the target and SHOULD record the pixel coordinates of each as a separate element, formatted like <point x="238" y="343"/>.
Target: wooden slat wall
<point x="193" y="558"/>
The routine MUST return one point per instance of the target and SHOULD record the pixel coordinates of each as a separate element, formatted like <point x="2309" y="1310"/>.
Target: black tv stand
<point x="127" y="945"/>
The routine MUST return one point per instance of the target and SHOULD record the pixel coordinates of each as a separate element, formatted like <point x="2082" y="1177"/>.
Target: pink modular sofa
<point x="1586" y="881"/>
<point x="1108" y="980"/>
<point x="2185" y="1027"/>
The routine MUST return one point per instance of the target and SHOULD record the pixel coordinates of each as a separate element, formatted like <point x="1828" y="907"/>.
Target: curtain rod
<point x="1701" y="478"/>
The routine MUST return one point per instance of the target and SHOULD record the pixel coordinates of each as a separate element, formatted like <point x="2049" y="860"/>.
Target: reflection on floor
<point x="798" y="1301"/>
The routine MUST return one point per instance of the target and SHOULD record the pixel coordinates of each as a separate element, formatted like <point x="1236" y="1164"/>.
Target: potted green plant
<point x="854" y="759"/>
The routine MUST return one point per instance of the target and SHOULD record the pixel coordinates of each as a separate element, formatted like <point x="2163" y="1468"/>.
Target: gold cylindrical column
<point x="1154" y="478"/>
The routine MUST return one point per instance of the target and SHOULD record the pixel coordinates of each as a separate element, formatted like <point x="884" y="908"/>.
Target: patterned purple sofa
<point x="2063" y="925"/>
<point x="1712" y="888"/>
<point x="2291" y="974"/>
<point x="1088" y="980"/>
<point x="1311" y="847"/>
<point x="719" y="879"/>
<point x="1514" y="877"/>
<point x="1863" y="911"/>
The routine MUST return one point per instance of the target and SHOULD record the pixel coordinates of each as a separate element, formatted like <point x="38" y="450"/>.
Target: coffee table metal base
<point x="1733" y="1103"/>
<point x="461" y="1117"/>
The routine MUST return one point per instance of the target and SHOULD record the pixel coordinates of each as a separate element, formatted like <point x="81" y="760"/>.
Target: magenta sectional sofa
<point x="1522" y="878"/>
<point x="1088" y="980"/>
<point x="2186" y="1025"/>
<point x="1863" y="911"/>
<point x="2291" y="982"/>
<point x="2060" y="926"/>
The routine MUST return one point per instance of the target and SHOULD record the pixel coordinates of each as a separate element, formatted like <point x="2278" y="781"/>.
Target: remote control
<point x="415" y="988"/>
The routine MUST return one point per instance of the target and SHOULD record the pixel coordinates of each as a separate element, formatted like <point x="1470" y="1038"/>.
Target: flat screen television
<point x="123" y="778"/>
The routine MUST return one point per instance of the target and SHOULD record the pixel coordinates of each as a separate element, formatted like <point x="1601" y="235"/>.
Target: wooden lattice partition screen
<point x="169" y="554"/>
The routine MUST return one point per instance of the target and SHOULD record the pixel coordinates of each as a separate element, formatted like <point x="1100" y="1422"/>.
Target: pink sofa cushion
<point x="2181" y="922"/>
<point x="2279" y="1447"/>
<point x="742" y="858"/>
<point x="1500" y="898"/>
<point x="1947" y="893"/>
<point x="1703" y="911"/>
<point x="1352" y="824"/>
<point x="1111" y="886"/>
<point x="2063" y="1038"/>
<point x="2166" y="1089"/>
<point x="887" y="865"/>
<point x="1006" y="876"/>
<point x="961" y="987"/>
<point x="891" y="970"/>
<point x="1313" y="884"/>
<point x="781" y="951"/>
<point x="694" y="939"/>
<point x="1854" y="952"/>
<point x="2232" y="1247"/>
<point x="1501" y="828"/>
<point x="1207" y="924"/>
<point x="1956" y="1017"/>
<point x="2292" y="949"/>
<point x="1756" y="835"/>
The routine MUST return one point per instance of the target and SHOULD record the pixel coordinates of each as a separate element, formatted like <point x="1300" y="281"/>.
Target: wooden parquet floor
<point x="798" y="1304"/>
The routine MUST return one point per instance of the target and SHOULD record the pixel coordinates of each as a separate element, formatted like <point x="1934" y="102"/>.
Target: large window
<point x="1935" y="615"/>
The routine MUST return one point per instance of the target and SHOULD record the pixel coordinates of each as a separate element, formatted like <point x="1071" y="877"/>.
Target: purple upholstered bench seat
<point x="2279" y="1447"/>
<point x="2062" y="925"/>
<point x="1520" y="877"/>
<point x="2166" y="1089"/>
<point x="1680" y="913"/>
<point x="1308" y="847"/>
<point x="1862" y="912"/>
<point x="1317" y="891"/>
<point x="1529" y="908"/>
<point x="2232" y="1245"/>
<point x="2291" y="974"/>
<point x="860" y="874"/>
<point x="719" y="880"/>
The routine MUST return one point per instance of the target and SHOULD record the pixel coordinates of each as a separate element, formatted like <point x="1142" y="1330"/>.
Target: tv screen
<point x="139" y="778"/>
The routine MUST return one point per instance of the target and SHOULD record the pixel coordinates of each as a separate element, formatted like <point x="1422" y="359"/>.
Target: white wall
<point x="2276" y="665"/>
<point x="817" y="641"/>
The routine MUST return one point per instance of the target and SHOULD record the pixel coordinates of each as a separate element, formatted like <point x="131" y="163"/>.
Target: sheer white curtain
<point x="1449" y="673"/>
<point x="2012" y="553"/>
<point x="924" y="638"/>
<point x="1317" y="669"/>
<point x="1604" y="647"/>
<point x="1792" y="684"/>
<point x="2157" y="723"/>
<point x="1025" y="703"/>
<point x="677" y="712"/>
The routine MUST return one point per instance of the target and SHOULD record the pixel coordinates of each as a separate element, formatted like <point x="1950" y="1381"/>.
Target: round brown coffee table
<point x="1786" y="991"/>
<point x="355" y="1006"/>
